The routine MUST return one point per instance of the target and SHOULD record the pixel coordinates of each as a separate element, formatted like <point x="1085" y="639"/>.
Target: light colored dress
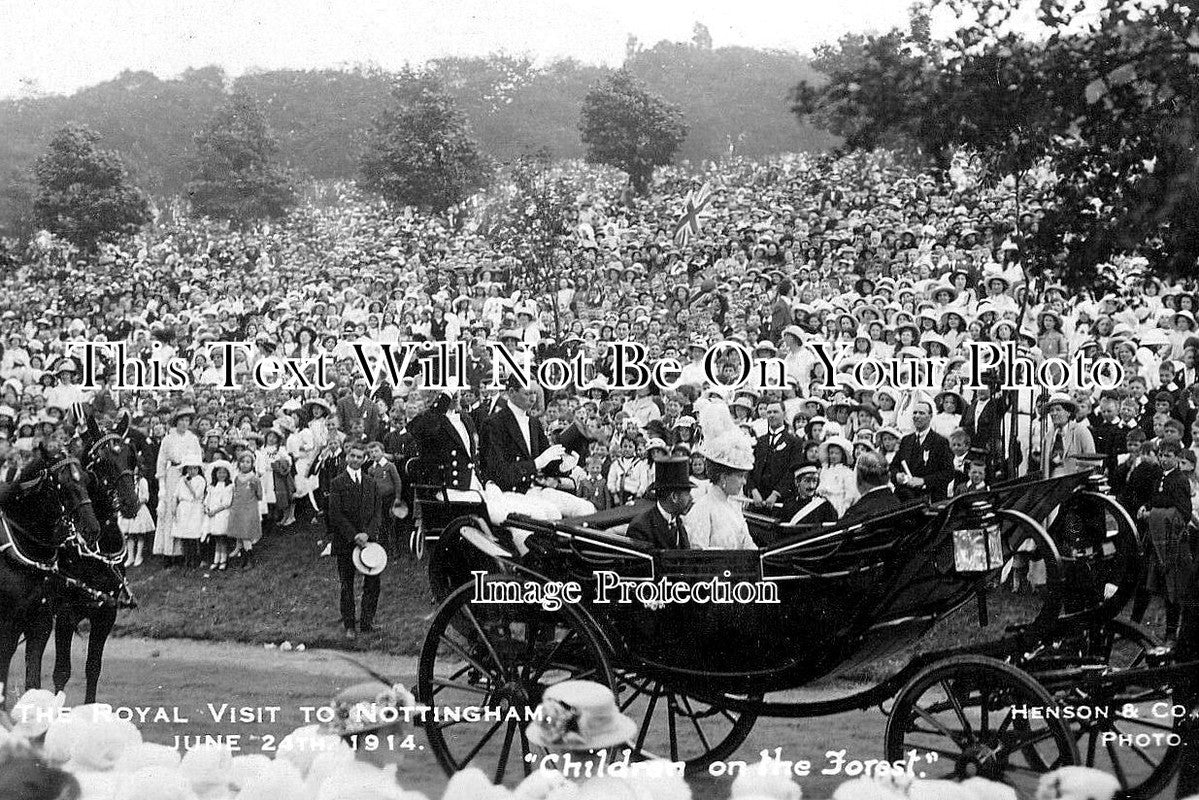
<point x="302" y="447"/>
<point x="245" y="523"/>
<point x="189" y="508"/>
<point x="716" y="523"/>
<point x="142" y="522"/>
<point x="839" y="486"/>
<point x="218" y="499"/>
<point x="175" y="450"/>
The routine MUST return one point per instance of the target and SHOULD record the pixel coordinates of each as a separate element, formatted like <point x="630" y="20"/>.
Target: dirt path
<point x="177" y="688"/>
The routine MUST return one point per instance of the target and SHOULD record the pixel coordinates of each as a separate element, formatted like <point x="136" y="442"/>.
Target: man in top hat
<point x="519" y="459"/>
<point x="805" y="507"/>
<point x="353" y="522"/>
<point x="1065" y="439"/>
<point x="662" y="526"/>
<point x="448" y="444"/>
<point x="775" y="455"/>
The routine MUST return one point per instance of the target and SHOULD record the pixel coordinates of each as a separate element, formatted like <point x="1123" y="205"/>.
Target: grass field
<point x="291" y="594"/>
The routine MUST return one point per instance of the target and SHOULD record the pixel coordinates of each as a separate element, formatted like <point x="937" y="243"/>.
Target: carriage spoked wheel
<point x="674" y="725"/>
<point x="1130" y="732"/>
<point x="484" y="668"/>
<point x="970" y="715"/>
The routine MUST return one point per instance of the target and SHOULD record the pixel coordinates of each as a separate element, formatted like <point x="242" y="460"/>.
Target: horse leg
<point x="8" y="646"/>
<point x="65" y="623"/>
<point x="39" y="623"/>
<point x="103" y="619"/>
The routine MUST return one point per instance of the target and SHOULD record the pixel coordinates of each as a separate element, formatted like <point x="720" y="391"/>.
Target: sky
<point x="58" y="46"/>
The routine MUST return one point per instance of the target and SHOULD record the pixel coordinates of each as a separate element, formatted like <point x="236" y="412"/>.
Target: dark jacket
<point x="933" y="462"/>
<point x="349" y="412"/>
<point x="1173" y="490"/>
<point x="654" y="529"/>
<point x="986" y="433"/>
<point x="820" y="515"/>
<point x="445" y="460"/>
<point x="506" y="458"/>
<point x="774" y="464"/>
<point x="870" y="505"/>
<point x="353" y="509"/>
<point x="387" y="480"/>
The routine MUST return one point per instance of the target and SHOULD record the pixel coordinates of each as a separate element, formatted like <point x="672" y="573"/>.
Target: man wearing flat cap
<point x="662" y="526"/>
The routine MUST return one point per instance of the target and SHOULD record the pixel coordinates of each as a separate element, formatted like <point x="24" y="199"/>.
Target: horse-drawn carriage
<point x="1053" y="679"/>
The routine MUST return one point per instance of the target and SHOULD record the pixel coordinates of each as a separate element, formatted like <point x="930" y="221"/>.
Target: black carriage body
<point x="844" y="596"/>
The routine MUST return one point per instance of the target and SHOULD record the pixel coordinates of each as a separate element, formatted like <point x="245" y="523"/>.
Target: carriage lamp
<point x="977" y="544"/>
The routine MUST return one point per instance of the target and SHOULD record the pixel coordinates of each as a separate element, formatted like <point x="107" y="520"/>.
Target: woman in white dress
<point x="716" y="521"/>
<point x="179" y="446"/>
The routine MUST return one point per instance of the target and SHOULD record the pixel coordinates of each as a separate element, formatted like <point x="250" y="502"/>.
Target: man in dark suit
<point x="874" y="487"/>
<point x="805" y="507"/>
<point x="388" y="488"/>
<point x="776" y="454"/>
<point x="662" y="526"/>
<point x="923" y="465"/>
<point x="353" y="522"/>
<point x="358" y="406"/>
<point x="983" y="420"/>
<point x="448" y="444"/>
<point x="519" y="459"/>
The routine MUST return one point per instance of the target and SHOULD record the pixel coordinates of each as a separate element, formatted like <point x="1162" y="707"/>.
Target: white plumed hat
<point x="724" y="442"/>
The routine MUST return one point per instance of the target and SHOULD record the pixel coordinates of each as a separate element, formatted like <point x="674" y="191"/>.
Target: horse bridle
<point x="88" y="550"/>
<point x="90" y="457"/>
<point x="53" y="470"/>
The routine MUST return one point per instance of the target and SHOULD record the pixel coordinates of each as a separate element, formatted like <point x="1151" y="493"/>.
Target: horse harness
<point x="24" y="549"/>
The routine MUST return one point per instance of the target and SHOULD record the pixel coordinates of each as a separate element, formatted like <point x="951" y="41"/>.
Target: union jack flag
<point x="688" y="225"/>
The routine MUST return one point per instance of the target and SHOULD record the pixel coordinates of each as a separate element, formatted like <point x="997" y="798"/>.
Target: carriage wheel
<point x="453" y="560"/>
<point x="1145" y="761"/>
<point x="963" y="716"/>
<point x="499" y="658"/>
<point x="679" y="727"/>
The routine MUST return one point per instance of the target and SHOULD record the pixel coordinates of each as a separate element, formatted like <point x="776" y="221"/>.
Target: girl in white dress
<point x="216" y="511"/>
<point x="188" y="527"/>
<point x="837" y="482"/>
<point x="136" y="529"/>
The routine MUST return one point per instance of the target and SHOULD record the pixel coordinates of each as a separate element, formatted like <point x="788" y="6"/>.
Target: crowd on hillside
<point x="861" y="252"/>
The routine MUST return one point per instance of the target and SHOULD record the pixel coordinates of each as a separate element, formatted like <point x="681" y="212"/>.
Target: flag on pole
<point x="688" y="225"/>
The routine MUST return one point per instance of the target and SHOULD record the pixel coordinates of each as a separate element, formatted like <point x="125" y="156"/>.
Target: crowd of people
<point x="862" y="254"/>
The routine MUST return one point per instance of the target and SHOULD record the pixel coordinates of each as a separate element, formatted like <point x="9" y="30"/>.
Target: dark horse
<point x="37" y="512"/>
<point x="93" y="586"/>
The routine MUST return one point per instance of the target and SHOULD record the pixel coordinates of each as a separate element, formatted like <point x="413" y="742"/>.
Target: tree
<point x="83" y="193"/>
<point x="1110" y="98"/>
<point x="534" y="222"/>
<point x="701" y="37"/>
<point x="420" y="150"/>
<point x="236" y="177"/>
<point x="626" y="127"/>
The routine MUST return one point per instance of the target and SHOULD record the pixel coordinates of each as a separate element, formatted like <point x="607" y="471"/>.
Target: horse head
<point x="109" y="460"/>
<point x="59" y="475"/>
